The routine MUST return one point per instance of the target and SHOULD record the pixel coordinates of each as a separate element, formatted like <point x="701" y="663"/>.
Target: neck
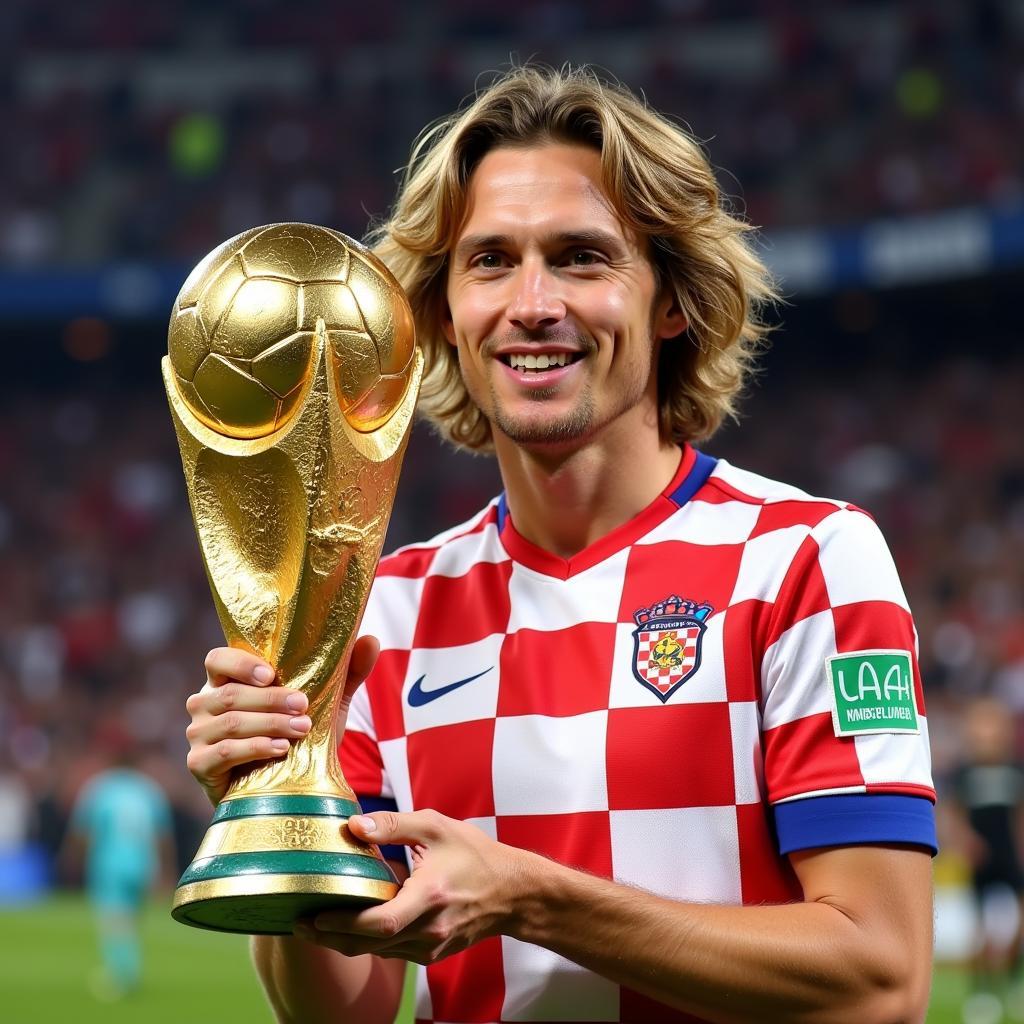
<point x="563" y="501"/>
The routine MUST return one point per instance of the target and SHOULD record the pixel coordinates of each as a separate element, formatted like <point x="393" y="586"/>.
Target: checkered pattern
<point x="557" y="747"/>
<point x="665" y="678"/>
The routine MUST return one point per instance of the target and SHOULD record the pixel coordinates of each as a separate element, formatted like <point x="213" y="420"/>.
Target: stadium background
<point x="879" y="145"/>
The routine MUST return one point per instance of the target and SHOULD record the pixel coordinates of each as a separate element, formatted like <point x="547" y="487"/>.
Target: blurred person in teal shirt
<point x="121" y="825"/>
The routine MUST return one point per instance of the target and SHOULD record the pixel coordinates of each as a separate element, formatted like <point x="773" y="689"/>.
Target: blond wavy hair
<point x="662" y="187"/>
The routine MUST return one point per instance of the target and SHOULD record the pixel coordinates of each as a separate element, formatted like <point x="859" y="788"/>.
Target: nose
<point x="536" y="301"/>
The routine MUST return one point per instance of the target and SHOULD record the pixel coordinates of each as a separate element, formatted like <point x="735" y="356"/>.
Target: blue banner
<point x="944" y="246"/>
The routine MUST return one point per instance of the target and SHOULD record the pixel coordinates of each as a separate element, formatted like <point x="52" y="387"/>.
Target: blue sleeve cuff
<point x="369" y="804"/>
<point x="851" y="819"/>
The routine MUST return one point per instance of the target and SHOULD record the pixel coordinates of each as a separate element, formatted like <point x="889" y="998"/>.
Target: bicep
<point x="886" y="892"/>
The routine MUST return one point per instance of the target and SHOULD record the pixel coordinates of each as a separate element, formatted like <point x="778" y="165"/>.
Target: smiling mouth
<point x="538" y="363"/>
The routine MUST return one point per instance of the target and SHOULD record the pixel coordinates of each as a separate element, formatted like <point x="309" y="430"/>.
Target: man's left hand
<point x="463" y="888"/>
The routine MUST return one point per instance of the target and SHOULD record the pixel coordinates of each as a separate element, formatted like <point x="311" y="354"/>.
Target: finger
<point x="226" y="663"/>
<point x="212" y="761"/>
<point x="347" y="945"/>
<point x="364" y="656"/>
<point x="411" y="952"/>
<point x="219" y="700"/>
<point x="353" y="923"/>
<point x="384" y="921"/>
<point x="409" y="829"/>
<point x="419" y="949"/>
<point x="211" y="729"/>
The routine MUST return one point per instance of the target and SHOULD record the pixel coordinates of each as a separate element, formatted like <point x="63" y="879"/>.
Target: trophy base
<point x="267" y="861"/>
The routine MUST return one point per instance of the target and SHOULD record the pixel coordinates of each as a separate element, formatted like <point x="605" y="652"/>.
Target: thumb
<point x="417" y="828"/>
<point x="365" y="652"/>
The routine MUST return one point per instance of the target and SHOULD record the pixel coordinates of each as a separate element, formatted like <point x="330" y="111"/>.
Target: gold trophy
<point x="292" y="375"/>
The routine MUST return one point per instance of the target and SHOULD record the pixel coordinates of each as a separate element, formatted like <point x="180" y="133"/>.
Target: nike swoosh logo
<point x="418" y="696"/>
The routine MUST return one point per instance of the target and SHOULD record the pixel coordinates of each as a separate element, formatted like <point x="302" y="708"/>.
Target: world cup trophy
<point x="292" y="373"/>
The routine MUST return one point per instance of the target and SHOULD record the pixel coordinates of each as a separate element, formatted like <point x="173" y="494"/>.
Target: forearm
<point x="806" y="961"/>
<point x="308" y="984"/>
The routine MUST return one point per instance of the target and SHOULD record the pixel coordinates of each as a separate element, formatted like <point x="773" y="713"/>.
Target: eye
<point x="584" y="258"/>
<point x="489" y="261"/>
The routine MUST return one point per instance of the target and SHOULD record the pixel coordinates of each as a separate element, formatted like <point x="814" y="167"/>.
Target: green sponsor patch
<point x="873" y="691"/>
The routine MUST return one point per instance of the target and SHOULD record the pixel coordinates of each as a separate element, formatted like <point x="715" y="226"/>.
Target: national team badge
<point x="666" y="643"/>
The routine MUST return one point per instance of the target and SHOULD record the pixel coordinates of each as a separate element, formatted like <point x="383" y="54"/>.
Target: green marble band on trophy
<point x="266" y="860"/>
<point x="292" y="374"/>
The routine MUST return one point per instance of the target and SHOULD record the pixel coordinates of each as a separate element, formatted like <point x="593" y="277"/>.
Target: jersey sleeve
<point x="363" y="766"/>
<point x="361" y="761"/>
<point x="359" y="749"/>
<point x="844" y="730"/>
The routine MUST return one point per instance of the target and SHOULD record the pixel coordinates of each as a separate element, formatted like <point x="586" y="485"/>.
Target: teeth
<point x="521" y="361"/>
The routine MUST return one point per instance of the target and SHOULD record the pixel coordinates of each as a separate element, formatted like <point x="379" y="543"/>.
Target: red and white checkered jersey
<point x="658" y="709"/>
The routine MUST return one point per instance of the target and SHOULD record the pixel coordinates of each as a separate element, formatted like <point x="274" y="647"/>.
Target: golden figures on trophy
<point x="292" y="375"/>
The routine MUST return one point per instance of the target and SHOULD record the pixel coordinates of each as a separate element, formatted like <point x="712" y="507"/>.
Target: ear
<point x="669" y="319"/>
<point x="447" y="325"/>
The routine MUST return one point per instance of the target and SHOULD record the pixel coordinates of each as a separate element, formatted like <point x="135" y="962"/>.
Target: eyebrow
<point x="583" y="236"/>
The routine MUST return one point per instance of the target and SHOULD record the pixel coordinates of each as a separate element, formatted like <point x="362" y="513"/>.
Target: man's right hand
<point x="241" y="715"/>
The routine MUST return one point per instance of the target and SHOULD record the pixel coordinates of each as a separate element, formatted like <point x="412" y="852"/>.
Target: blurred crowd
<point x="105" y="614"/>
<point x="153" y="131"/>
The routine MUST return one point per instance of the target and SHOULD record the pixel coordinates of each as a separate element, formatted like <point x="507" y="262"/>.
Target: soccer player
<point x="989" y="799"/>
<point x="121" y="822"/>
<point x="649" y="726"/>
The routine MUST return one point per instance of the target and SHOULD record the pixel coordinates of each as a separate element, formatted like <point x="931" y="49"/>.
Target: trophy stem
<point x="310" y="767"/>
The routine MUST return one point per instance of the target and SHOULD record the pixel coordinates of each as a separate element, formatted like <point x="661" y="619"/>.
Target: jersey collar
<point x="694" y="469"/>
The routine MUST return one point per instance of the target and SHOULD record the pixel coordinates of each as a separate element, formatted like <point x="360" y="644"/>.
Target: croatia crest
<point x="666" y="643"/>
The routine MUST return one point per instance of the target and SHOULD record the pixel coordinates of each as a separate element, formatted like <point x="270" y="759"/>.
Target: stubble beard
<point x="540" y="429"/>
<point x="575" y="424"/>
<point x="572" y="426"/>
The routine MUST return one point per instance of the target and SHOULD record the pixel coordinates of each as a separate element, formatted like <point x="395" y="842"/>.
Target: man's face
<point x="553" y="301"/>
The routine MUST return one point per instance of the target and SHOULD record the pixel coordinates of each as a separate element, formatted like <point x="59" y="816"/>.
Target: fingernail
<point x="303" y="931"/>
<point x="365" y="823"/>
<point x="279" y="746"/>
<point x="296" y="702"/>
<point x="302" y="724"/>
<point x="263" y="674"/>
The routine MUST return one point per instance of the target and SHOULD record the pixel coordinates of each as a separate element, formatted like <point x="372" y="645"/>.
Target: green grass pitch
<point x="47" y="952"/>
